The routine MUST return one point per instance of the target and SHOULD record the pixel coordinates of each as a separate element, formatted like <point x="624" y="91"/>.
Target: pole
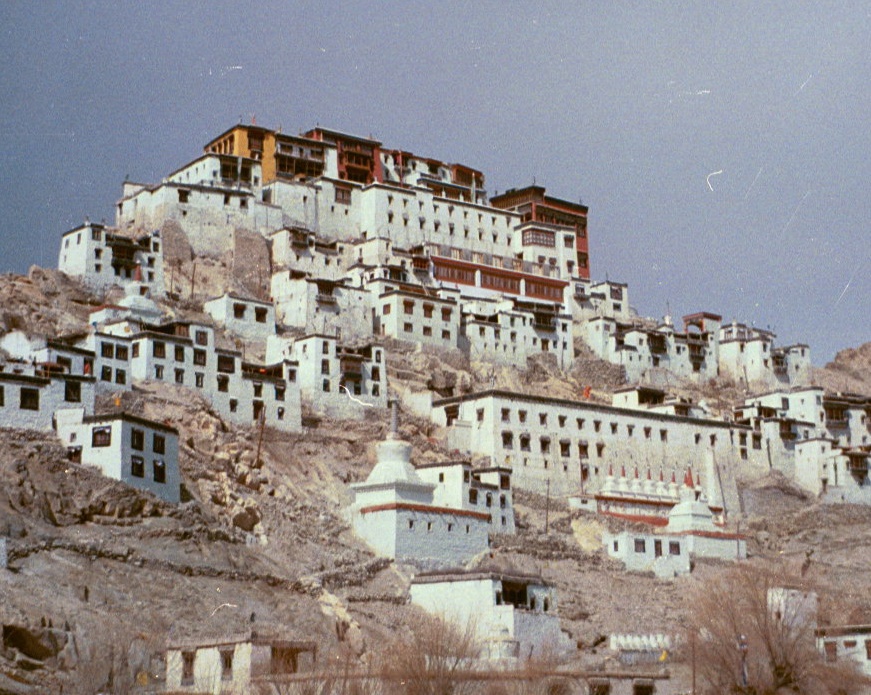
<point x="693" y="646"/>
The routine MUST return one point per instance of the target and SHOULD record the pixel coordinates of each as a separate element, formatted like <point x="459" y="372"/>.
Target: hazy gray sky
<point x="630" y="107"/>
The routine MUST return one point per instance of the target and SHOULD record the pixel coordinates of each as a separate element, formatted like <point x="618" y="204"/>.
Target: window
<point x="385" y="310"/>
<point x="521" y="414"/>
<point x="408" y="306"/>
<point x="542" y="418"/>
<point x="473" y="496"/>
<point x="238" y="311"/>
<point x="507" y="440"/>
<point x="260" y="314"/>
<point x="158" y="349"/>
<point x="258" y="390"/>
<point x="137" y="466"/>
<point x="524" y="442"/>
<point x="136" y="349"/>
<point x="158" y="444"/>
<point x="506" y="415"/>
<point x="663" y="435"/>
<point x="201" y="337"/>
<point x="179" y="353"/>
<point x="101" y="436"/>
<point x="647" y="431"/>
<point x="406" y="327"/>
<point x="427" y="311"/>
<point x="427" y="331"/>
<point x="673" y="548"/>
<point x="2" y="397"/>
<point x="325" y="366"/>
<point x="226" y="364"/>
<point x="199" y="379"/>
<point x="446" y="335"/>
<point x="489" y="499"/>
<point x="831" y="650"/>
<point x="234" y="405"/>
<point x="223" y="383"/>
<point x="642" y="689"/>
<point x="159" y="470"/>
<point x="564" y="447"/>
<point x="158" y="371"/>
<point x="29" y="399"/>
<point x="105" y="373"/>
<point x="183" y="195"/>
<point x="597" y="425"/>
<point x="279" y="393"/>
<point x="137" y="439"/>
<point x="599" y="688"/>
<point x="544" y="443"/>
<point x="107" y="350"/>
<point x="326" y="386"/>
<point x="446" y="314"/>
<point x="200" y="358"/>
<point x="640" y="545"/>
<point x="179" y="376"/>
<point x="72" y="392"/>
<point x="600" y="450"/>
<point x="580" y="423"/>
<point x="613" y="428"/>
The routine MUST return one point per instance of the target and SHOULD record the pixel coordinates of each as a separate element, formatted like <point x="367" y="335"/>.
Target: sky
<point x="723" y="149"/>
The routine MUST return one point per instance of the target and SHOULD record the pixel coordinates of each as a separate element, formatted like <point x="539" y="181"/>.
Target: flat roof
<point x="460" y="575"/>
<point x="129" y="417"/>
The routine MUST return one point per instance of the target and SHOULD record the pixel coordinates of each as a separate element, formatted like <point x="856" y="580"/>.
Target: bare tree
<point x="436" y="660"/>
<point x="747" y="645"/>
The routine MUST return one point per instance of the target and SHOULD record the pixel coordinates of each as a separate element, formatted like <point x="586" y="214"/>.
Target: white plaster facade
<point x="30" y="397"/>
<point x="209" y="198"/>
<point x="395" y="513"/>
<point x="573" y="444"/>
<point x="330" y="373"/>
<point x="509" y="332"/>
<point x="232" y="664"/>
<point x="665" y="556"/>
<point x="103" y="256"/>
<point x="250" y="318"/>
<point x="846" y="642"/>
<point x="487" y="490"/>
<point x="138" y="452"/>
<point x="321" y="306"/>
<point x="513" y="616"/>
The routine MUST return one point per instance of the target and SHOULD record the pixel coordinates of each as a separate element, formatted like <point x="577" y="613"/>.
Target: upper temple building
<point x="429" y="214"/>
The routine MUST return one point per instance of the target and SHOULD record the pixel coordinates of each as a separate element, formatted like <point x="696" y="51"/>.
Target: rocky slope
<point x="100" y="576"/>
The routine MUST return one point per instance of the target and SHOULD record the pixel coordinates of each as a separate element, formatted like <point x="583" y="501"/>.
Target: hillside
<point x="102" y="575"/>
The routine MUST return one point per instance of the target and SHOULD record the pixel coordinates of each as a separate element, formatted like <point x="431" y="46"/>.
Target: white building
<point x="103" y="256"/>
<point x="513" y="616"/>
<point x="250" y="318"/>
<point x="396" y="513"/>
<point x="235" y="663"/>
<point x="209" y="198"/>
<point x="819" y="441"/>
<point x="138" y="452"/>
<point x="748" y="355"/>
<point x="30" y="396"/>
<point x="319" y="305"/>
<point x="573" y="444"/>
<point x="339" y="380"/>
<point x="509" y="331"/>
<point x="459" y="486"/>
<point x="665" y="556"/>
<point x="846" y="642"/>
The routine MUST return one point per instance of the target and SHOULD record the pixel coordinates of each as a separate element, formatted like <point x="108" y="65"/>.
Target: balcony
<point x="322" y="298"/>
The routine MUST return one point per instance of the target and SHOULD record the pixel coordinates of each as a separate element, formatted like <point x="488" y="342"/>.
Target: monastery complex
<point x="372" y="247"/>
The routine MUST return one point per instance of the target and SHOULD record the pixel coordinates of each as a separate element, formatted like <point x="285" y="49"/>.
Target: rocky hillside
<point x="100" y="575"/>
